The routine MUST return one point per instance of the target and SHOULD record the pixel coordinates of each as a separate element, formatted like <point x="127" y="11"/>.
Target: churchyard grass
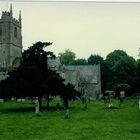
<point x="18" y="121"/>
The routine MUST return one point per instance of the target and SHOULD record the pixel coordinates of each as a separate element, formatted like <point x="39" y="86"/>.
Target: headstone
<point x="110" y="105"/>
<point x="18" y="100"/>
<point x="1" y="100"/>
<point x="12" y="99"/>
<point x="36" y="106"/>
<point x="23" y="100"/>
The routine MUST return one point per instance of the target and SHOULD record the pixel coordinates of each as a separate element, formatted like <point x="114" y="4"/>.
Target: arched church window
<point x="15" y="32"/>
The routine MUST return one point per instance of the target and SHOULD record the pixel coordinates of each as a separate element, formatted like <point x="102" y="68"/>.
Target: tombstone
<point x="110" y="105"/>
<point x="23" y="100"/>
<point x="36" y="106"/>
<point x="1" y="100"/>
<point x="19" y="100"/>
<point x="12" y="99"/>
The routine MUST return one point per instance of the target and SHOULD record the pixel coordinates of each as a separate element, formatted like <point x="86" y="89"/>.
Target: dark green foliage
<point x="80" y="62"/>
<point x="137" y="78"/>
<point x="122" y="68"/>
<point x="138" y="67"/>
<point x="95" y="59"/>
<point x="115" y="56"/>
<point x="32" y="77"/>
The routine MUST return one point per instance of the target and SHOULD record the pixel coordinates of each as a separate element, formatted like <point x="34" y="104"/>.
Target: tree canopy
<point x="122" y="68"/>
<point x="115" y="56"/>
<point x="67" y="57"/>
<point x="95" y="59"/>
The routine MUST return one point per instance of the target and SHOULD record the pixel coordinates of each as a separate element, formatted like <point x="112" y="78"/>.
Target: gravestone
<point x="36" y="107"/>
<point x="1" y="100"/>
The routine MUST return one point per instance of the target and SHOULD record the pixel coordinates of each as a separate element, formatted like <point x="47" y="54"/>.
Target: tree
<point x="95" y="59"/>
<point x="137" y="78"/>
<point x="32" y="78"/>
<point x="122" y="68"/>
<point x="67" y="57"/>
<point x="115" y="56"/>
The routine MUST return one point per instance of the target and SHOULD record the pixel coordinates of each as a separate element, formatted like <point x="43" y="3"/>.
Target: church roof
<point x="71" y="76"/>
<point x="87" y="73"/>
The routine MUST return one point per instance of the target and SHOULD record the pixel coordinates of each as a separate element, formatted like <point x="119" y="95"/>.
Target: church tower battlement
<point x="10" y="38"/>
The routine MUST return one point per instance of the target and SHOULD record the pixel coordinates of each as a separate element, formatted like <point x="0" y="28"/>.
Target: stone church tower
<point x="10" y="39"/>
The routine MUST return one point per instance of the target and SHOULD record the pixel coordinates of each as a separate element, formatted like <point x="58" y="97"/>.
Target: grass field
<point x="19" y="122"/>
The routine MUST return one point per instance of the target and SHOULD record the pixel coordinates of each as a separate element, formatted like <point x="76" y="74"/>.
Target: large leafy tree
<point x="32" y="78"/>
<point x="115" y="56"/>
<point x="122" y="68"/>
<point x="67" y="57"/>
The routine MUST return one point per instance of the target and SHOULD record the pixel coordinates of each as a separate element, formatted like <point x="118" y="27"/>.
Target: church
<point x="86" y="79"/>
<point x="10" y="39"/>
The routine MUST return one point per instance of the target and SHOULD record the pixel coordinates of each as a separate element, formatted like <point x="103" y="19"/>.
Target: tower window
<point x="15" y="32"/>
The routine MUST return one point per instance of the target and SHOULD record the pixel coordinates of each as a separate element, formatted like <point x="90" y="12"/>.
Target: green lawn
<point x="19" y="122"/>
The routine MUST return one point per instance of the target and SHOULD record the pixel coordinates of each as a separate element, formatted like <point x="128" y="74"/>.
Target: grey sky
<point x="83" y="27"/>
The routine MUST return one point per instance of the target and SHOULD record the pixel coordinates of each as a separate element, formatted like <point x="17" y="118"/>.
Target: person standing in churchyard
<point x="122" y="95"/>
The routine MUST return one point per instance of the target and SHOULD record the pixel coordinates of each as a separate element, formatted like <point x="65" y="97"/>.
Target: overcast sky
<point x="83" y="27"/>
